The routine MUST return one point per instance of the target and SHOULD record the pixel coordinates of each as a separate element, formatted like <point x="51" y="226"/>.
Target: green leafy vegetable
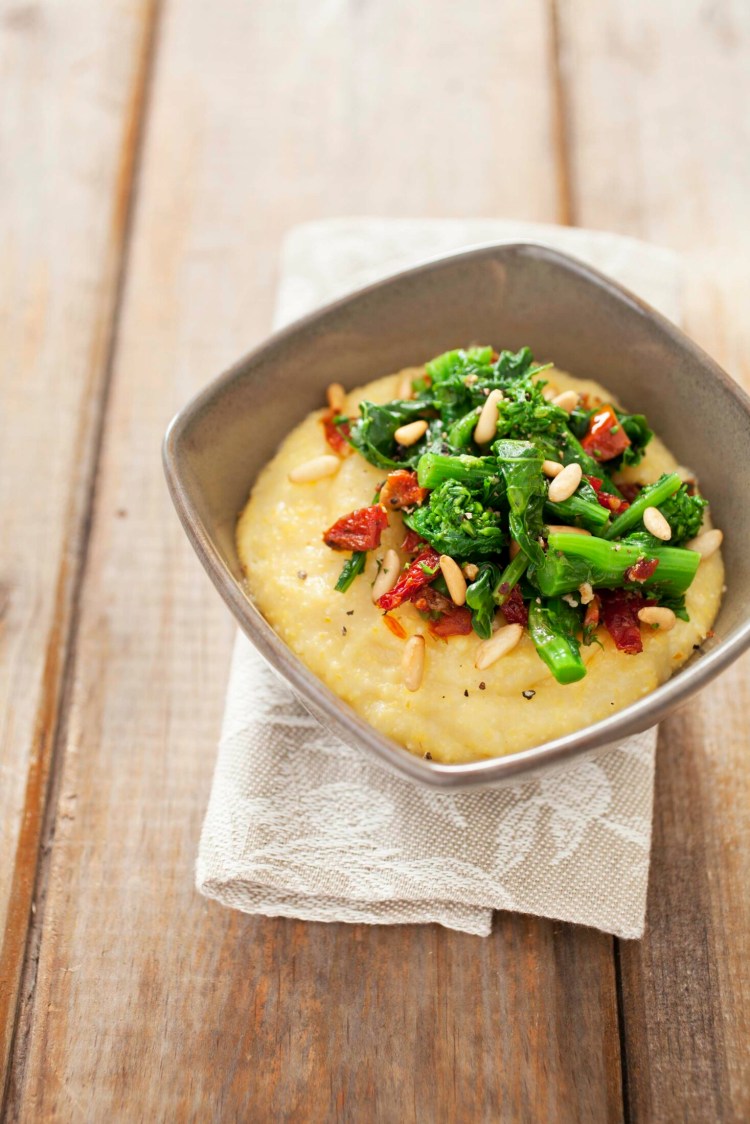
<point x="652" y="496"/>
<point x="454" y="521"/>
<point x="372" y="435"/>
<point x="480" y="599"/>
<point x="684" y="513"/>
<point x="351" y="569"/>
<point x="553" y="627"/>
<point x="520" y="462"/>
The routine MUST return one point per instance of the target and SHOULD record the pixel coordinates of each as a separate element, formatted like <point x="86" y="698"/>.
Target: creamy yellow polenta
<point x="459" y="713"/>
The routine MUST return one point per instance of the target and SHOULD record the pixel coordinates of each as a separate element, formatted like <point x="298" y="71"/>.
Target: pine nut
<point x="559" y="529"/>
<point x="410" y="433"/>
<point x="404" y="388"/>
<point x="514" y="548"/>
<point x="656" y="524"/>
<point x="659" y="616"/>
<point x="565" y="483"/>
<point x="336" y="397"/>
<point x="412" y="663"/>
<point x="549" y="392"/>
<point x="316" y="469"/>
<point x="486" y="427"/>
<point x="707" y="543"/>
<point x="567" y="401"/>
<point x="504" y="641"/>
<point x="586" y="591"/>
<point x="387" y="575"/>
<point x="552" y="468"/>
<point x="470" y="571"/>
<point x="454" y="579"/>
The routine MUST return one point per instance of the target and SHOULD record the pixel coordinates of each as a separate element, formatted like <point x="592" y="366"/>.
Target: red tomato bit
<point x="412" y="542"/>
<point x="619" y="610"/>
<point x="336" y="435"/>
<point x="641" y="570"/>
<point x="423" y="570"/>
<point x="455" y="622"/>
<point x="605" y="438"/>
<point x="513" y="609"/>
<point x="360" y="530"/>
<point x="401" y="489"/>
<point x="607" y="499"/>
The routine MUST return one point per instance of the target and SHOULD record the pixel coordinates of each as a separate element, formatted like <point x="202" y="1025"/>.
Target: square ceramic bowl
<point x="509" y="296"/>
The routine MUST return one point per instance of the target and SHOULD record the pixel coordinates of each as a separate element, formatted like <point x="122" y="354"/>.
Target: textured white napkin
<point x="301" y="825"/>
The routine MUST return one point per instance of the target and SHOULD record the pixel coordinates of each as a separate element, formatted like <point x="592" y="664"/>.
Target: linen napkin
<point x="301" y="825"/>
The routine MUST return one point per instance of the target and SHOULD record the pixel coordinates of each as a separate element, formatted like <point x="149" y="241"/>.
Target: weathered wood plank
<point x="72" y="81"/>
<point x="147" y="996"/>
<point x="658" y="118"/>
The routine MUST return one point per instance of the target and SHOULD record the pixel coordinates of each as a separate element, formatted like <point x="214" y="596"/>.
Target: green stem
<point x="578" y="511"/>
<point x="556" y="646"/>
<point x="607" y="564"/>
<point x="434" y="468"/>
<point x="510" y="577"/>
<point x="652" y="498"/>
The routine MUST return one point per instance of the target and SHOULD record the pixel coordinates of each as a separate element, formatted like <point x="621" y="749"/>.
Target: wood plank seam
<point x="22" y="938"/>
<point x="566" y="210"/>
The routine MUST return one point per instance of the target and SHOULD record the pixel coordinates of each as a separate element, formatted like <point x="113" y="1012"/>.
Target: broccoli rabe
<point x="456" y="522"/>
<point x="490" y="505"/>
<point x="684" y="513"/>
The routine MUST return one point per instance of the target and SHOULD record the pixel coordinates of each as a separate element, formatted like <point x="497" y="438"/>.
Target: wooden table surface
<point x="153" y="155"/>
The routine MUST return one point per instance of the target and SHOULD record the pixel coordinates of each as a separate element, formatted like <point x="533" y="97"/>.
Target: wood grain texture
<point x="659" y="126"/>
<point x="150" y="1002"/>
<point x="71" y="81"/>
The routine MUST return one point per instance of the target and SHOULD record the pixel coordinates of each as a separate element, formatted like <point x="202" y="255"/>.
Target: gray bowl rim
<point x="338" y="715"/>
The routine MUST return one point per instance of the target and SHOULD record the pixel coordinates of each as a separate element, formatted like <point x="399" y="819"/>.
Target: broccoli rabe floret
<point x="684" y="513"/>
<point x="456" y="522"/>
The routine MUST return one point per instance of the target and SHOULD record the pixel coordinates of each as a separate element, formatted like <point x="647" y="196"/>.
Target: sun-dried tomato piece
<point x="429" y="600"/>
<point x="412" y="542"/>
<point x="423" y="570"/>
<point x="402" y="489"/>
<point x="605" y="438"/>
<point x="456" y="622"/>
<point x="630" y="491"/>
<point x="359" y="530"/>
<point x="619" y="613"/>
<point x="608" y="500"/>
<point x="641" y="570"/>
<point x="513" y="609"/>
<point x="395" y="626"/>
<point x="336" y="435"/>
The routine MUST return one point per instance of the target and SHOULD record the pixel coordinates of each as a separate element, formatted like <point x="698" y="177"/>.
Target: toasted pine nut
<point x="336" y="396"/>
<point x="387" y="575"/>
<point x="514" y="548"/>
<point x="707" y="543"/>
<point x="454" y="579"/>
<point x="504" y="641"/>
<point x="565" y="483"/>
<point x="559" y="529"/>
<point x="315" y="469"/>
<point x="567" y="401"/>
<point x="410" y="433"/>
<point x="412" y="663"/>
<point x="486" y="427"/>
<point x="404" y="388"/>
<point x="470" y="571"/>
<point x="552" y="468"/>
<point x="586" y="592"/>
<point x="550" y="391"/>
<point x="656" y="524"/>
<point x="659" y="616"/>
